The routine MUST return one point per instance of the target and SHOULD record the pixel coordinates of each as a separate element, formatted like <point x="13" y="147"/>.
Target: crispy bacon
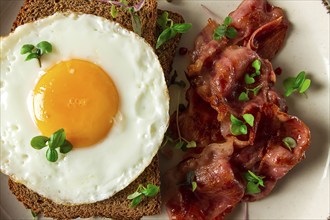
<point x="221" y="83"/>
<point x="279" y="159"/>
<point x="218" y="189"/>
<point x="269" y="39"/>
<point x="205" y="48"/>
<point x="270" y="157"/>
<point x="216" y="75"/>
<point x="202" y="125"/>
<point x="261" y="26"/>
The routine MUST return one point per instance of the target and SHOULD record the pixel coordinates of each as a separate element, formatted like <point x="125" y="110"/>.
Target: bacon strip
<point x="216" y="75"/>
<point x="218" y="191"/>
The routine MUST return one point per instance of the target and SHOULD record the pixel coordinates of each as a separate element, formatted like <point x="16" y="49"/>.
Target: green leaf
<point x="288" y="92"/>
<point x="227" y="21"/>
<point x="248" y="79"/>
<point x="249" y="118"/>
<point x="180" y="145"/>
<point x="235" y="129"/>
<point x="249" y="178"/>
<point x="299" y="83"/>
<point x="231" y="32"/>
<point x="243" y="97"/>
<point x="257" y="65"/>
<point x="163" y="20"/>
<point x="243" y="129"/>
<point x="167" y="34"/>
<point x="182" y="28"/>
<point x="51" y="155"/>
<point x="252" y="188"/>
<point x="27" y="48"/>
<point x="134" y="195"/>
<point x="288" y="82"/>
<point x="289" y="142"/>
<point x="32" y="56"/>
<point x="137" y="196"/>
<point x="299" y="80"/>
<point x="66" y="147"/>
<point x="136" y="24"/>
<point x="36" y="52"/>
<point x="39" y="142"/>
<point x="191" y="144"/>
<point x="254" y="178"/>
<point x="113" y="11"/>
<point x="219" y="32"/>
<point x="57" y="139"/>
<point x="151" y="190"/>
<point x="235" y="120"/>
<point x="45" y="47"/>
<point x="254" y="182"/>
<point x="136" y="201"/>
<point x="304" y="86"/>
<point x="193" y="185"/>
<point x="224" y="30"/>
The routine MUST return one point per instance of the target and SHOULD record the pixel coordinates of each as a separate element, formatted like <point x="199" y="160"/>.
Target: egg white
<point x="95" y="173"/>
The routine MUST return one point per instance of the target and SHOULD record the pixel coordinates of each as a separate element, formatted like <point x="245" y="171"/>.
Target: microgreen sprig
<point x="289" y="142"/>
<point x="35" y="52"/>
<point x="253" y="182"/>
<point x="34" y="215"/>
<point x="239" y="127"/>
<point x="249" y="79"/>
<point x="296" y="84"/>
<point x="225" y="30"/>
<point x="170" y="29"/>
<point x="190" y="180"/>
<point x="141" y="192"/>
<point x="132" y="9"/>
<point x="244" y="96"/>
<point x="56" y="140"/>
<point x="182" y="143"/>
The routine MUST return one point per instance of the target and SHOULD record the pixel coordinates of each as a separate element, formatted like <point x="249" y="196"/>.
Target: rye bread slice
<point x="116" y="207"/>
<point x="36" y="9"/>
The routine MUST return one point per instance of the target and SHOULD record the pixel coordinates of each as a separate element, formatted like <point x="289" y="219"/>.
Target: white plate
<point x="304" y="192"/>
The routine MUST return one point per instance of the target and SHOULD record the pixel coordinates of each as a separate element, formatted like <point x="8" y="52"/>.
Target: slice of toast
<point x="36" y="9"/>
<point x="118" y="206"/>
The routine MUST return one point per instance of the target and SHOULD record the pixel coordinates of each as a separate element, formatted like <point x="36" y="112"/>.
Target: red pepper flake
<point x="183" y="51"/>
<point x="278" y="71"/>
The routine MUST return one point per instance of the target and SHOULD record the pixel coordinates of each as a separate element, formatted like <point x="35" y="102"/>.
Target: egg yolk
<point x="78" y="96"/>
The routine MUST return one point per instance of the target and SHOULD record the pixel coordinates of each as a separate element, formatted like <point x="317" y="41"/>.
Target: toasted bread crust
<point x="118" y="206"/>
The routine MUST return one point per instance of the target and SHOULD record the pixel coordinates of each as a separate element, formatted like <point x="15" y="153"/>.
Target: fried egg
<point x="103" y="84"/>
